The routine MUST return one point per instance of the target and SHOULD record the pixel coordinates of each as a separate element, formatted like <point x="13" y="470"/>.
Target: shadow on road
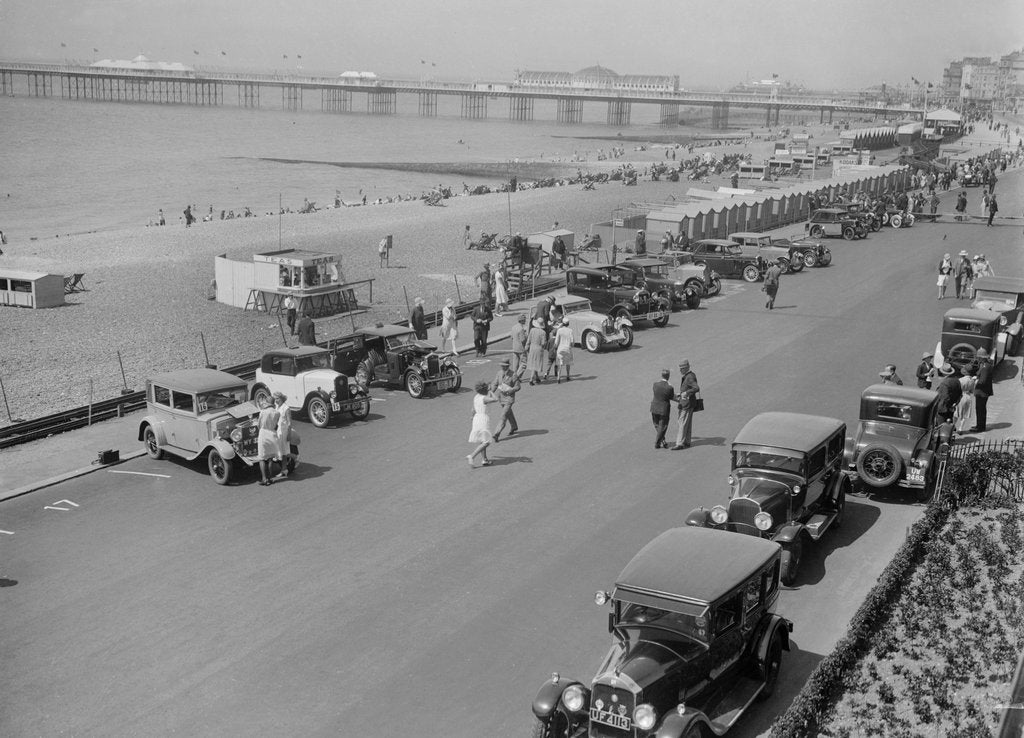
<point x="521" y="433"/>
<point x="856" y="522"/>
<point x="709" y="441"/>
<point x="4" y="582"/>
<point x="506" y="460"/>
<point x="304" y="470"/>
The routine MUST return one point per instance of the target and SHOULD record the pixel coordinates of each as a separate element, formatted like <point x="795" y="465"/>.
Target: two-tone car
<point x="770" y="249"/>
<point x="788" y="483"/>
<point x="617" y="291"/>
<point x="834" y="223"/>
<point x="591" y="329"/>
<point x="680" y="263"/>
<point x="682" y="286"/>
<point x="201" y="414"/>
<point x="1003" y="296"/>
<point x="900" y="439"/>
<point x="696" y="642"/>
<point x="728" y="259"/>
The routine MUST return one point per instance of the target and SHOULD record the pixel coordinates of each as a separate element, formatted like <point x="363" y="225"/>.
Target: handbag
<point x="698" y="403"/>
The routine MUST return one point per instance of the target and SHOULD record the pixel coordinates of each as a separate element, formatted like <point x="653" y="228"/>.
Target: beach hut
<point x="31" y="289"/>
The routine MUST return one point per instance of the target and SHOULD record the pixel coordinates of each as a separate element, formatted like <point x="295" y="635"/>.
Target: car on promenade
<point x="834" y="223"/>
<point x="306" y="377"/>
<point x="617" y="291"/>
<point x="201" y="413"/>
<point x="593" y="330"/>
<point x="761" y="244"/>
<point x="393" y="355"/>
<point x="696" y="642"/>
<point x="899" y="439"/>
<point x="871" y="220"/>
<point x="1003" y="296"/>
<point x="812" y="250"/>
<point x="965" y="330"/>
<point x="683" y="286"/>
<point x="680" y="262"/>
<point x="788" y="483"/>
<point x="727" y="259"/>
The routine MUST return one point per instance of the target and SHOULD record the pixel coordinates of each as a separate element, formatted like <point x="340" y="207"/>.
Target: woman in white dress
<point x="965" y="408"/>
<point x="449" y="325"/>
<point x="480" y="433"/>
<point x="284" y="429"/>
<point x="563" y="340"/>
<point x="500" y="292"/>
<point x="267" y="440"/>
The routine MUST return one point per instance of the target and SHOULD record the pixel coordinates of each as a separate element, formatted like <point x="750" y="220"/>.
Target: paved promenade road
<point x="390" y="590"/>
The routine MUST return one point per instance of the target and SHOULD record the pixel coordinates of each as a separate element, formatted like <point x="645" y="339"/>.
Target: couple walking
<point x="687" y="402"/>
<point x="503" y="391"/>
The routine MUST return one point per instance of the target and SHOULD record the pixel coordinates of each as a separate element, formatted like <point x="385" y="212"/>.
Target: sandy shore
<point x="147" y="288"/>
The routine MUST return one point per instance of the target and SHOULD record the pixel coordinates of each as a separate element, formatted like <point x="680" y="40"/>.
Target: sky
<point x="712" y="44"/>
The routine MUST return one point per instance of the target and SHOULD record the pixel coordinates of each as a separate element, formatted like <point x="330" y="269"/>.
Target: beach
<point x="146" y="304"/>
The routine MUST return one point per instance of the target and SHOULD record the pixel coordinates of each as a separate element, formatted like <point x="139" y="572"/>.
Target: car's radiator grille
<point x="341" y="386"/>
<point x="741" y="515"/>
<point x="433" y="365"/>
<point x="618" y="702"/>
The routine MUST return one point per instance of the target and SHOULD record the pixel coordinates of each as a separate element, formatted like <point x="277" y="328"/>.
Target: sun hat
<point x="418" y="300"/>
<point x="684" y="364"/>
<point x="449" y="302"/>
<point x="522" y="318"/>
<point x="982" y="353"/>
<point x="963" y="252"/>
<point x="946" y="369"/>
<point x="927" y="355"/>
<point x="889" y="370"/>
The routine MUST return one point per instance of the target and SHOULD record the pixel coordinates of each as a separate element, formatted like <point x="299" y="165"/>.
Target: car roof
<point x="794" y="431"/>
<point x="384" y="330"/>
<point x="983" y="316"/>
<point x="197" y="380"/>
<point x="296" y="351"/>
<point x="644" y="261"/>
<point x="749" y="234"/>
<point x="721" y="241"/>
<point x="898" y="393"/>
<point x="585" y="270"/>
<point x="695" y="564"/>
<point x="569" y="299"/>
<point x="999" y="284"/>
<point x="830" y="210"/>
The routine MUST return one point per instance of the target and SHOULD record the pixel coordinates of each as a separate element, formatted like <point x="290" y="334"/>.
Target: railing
<point x="986" y="469"/>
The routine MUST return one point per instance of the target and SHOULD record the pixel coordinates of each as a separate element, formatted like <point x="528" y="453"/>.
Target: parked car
<point x="594" y="330"/>
<point x="761" y="244"/>
<point x="965" y="330"/>
<point x="899" y="439"/>
<point x="871" y="220"/>
<point x="834" y="222"/>
<point x="897" y="218"/>
<point x="201" y="413"/>
<point x="727" y="259"/>
<point x="618" y="291"/>
<point x="392" y="354"/>
<point x="813" y="252"/>
<point x="971" y="179"/>
<point x="680" y="260"/>
<point x="1003" y="296"/>
<point x="788" y="483"/>
<point x="685" y="287"/>
<point x="696" y="642"/>
<point x="306" y="376"/>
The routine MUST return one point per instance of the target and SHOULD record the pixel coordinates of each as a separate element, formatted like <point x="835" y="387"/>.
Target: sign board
<point x="618" y="223"/>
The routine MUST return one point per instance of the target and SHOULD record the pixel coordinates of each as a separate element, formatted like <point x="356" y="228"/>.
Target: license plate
<point x="336" y="406"/>
<point x="621" y="722"/>
<point x="915" y="475"/>
<point x="445" y="384"/>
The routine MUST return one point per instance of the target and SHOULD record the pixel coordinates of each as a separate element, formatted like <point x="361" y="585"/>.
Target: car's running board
<point x="818" y="524"/>
<point x="734" y="704"/>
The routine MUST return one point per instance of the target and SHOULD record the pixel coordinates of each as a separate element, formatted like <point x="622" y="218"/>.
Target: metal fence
<point x="982" y="470"/>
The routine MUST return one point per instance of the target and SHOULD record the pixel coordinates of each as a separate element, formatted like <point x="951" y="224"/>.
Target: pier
<point x="478" y="101"/>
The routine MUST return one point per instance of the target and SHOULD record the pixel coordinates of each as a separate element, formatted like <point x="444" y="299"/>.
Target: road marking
<point x="61" y="502"/>
<point x="7" y="532"/>
<point x="141" y="474"/>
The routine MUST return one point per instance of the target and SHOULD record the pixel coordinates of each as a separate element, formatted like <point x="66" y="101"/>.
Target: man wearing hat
<point x="641" y="243"/>
<point x="889" y="375"/>
<point x="982" y="391"/>
<point x="924" y="371"/>
<point x="661" y="408"/>
<point x="688" y="390"/>
<point x="418" y="321"/>
<point x="504" y="387"/>
<point x="519" y="345"/>
<point x="949" y="391"/>
<point x="962" y="273"/>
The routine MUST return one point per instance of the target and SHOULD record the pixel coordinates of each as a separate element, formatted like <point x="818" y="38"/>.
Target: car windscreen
<point x="996" y="300"/>
<point x="574" y="307"/>
<point x="656" y="270"/>
<point x="314" y="361"/>
<point x="403" y="339"/>
<point x="643" y="616"/>
<point x="768" y="459"/>
<point x="220" y="399"/>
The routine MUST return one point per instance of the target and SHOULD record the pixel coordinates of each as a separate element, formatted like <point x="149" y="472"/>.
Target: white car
<point x="306" y="376"/>
<point x="591" y="329"/>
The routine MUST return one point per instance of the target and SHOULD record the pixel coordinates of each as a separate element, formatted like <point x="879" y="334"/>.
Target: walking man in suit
<point x="982" y="391"/>
<point x="306" y="330"/>
<point x="661" y="408"/>
<point x="505" y="387"/>
<point x="519" y="345"/>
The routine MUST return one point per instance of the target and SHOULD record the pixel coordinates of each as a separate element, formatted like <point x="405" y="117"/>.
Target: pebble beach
<point x="146" y="306"/>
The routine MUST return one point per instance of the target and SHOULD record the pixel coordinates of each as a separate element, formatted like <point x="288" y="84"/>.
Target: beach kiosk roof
<point x="944" y="115"/>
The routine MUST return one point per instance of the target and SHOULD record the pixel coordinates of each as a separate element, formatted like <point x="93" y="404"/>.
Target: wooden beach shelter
<point x="313" y="278"/>
<point x="31" y="289"/>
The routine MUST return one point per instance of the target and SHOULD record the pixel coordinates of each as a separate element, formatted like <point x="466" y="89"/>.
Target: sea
<point x="74" y="166"/>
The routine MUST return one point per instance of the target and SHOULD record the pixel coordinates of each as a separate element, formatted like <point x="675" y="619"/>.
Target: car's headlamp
<point x="644" y="716"/>
<point x="731" y="480"/>
<point x="1002" y="321"/>
<point x="763" y="521"/>
<point x="600" y="598"/>
<point x="719" y="515"/>
<point x="574" y="698"/>
<point x="236" y="434"/>
<point x="796" y="489"/>
<point x="334" y="395"/>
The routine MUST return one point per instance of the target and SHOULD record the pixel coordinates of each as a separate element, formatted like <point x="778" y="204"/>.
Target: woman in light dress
<point x="563" y="340"/>
<point x="965" y="408"/>
<point x="267" y="440"/>
<point x="535" y="350"/>
<point x="284" y="429"/>
<point x="500" y="292"/>
<point x="480" y="433"/>
<point x="449" y="325"/>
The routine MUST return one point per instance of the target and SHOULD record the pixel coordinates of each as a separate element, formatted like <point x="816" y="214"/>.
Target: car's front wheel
<point x="849" y="233"/>
<point x="840" y="503"/>
<point x="319" y="411"/>
<point x="152" y="445"/>
<point x="452" y="374"/>
<point x="879" y="465"/>
<point x="592" y="342"/>
<point x="662" y="321"/>
<point x="817" y="231"/>
<point x="791" y="555"/>
<point x="691" y="297"/>
<point x="361" y="408"/>
<point x="715" y="288"/>
<point x="260" y="395"/>
<point x="414" y="385"/>
<point x="796" y="264"/>
<point x="553" y="727"/>
<point x="220" y="468"/>
<point x="826" y="258"/>
<point x="627" y="337"/>
<point x="896" y="221"/>
<point x="751" y="273"/>
<point x="810" y="259"/>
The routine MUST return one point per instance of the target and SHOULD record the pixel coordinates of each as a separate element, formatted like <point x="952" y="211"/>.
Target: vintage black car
<point x="965" y="330"/>
<point x="813" y="252"/>
<point x="770" y="249"/>
<point x="899" y="440"/>
<point x="617" y="291"/>
<point x="728" y="259"/>
<point x="871" y="220"/>
<point x="683" y="286"/>
<point x="834" y="222"/>
<point x="392" y="354"/>
<point x="696" y="642"/>
<point x="788" y="483"/>
<point x="1003" y="296"/>
<point x="307" y="378"/>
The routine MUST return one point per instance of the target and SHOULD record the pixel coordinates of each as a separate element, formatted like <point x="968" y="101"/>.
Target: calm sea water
<point x="74" y="166"/>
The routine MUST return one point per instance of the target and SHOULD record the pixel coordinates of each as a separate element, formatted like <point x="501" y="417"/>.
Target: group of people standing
<point x="964" y="271"/>
<point x="962" y="393"/>
<point x="277" y="441"/>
